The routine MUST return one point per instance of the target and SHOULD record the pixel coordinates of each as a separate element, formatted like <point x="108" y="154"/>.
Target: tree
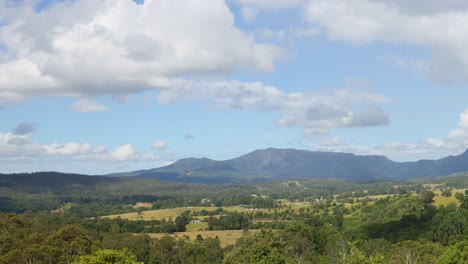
<point x="168" y="226"/>
<point x="70" y="241"/>
<point x="427" y="197"/>
<point x="447" y="193"/>
<point x="180" y="223"/>
<point x="260" y="248"/>
<point x="108" y="256"/>
<point x="455" y="254"/>
<point x="265" y="254"/>
<point x="462" y="199"/>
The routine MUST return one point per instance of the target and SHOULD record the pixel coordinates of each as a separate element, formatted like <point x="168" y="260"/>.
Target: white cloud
<point x="270" y="4"/>
<point x="371" y="115"/>
<point x="159" y="145"/>
<point x="332" y="142"/>
<point x="14" y="139"/>
<point x="251" y="8"/>
<point x="73" y="148"/>
<point x="123" y="153"/>
<point x="14" y="146"/>
<point x="18" y="146"/>
<point x="306" y="32"/>
<point x="274" y="35"/>
<point x="427" y="7"/>
<point x="117" y="47"/>
<point x="464" y="120"/>
<point x="454" y="143"/>
<point x="316" y="112"/>
<point x="87" y="106"/>
<point x="7" y="97"/>
<point x="248" y="13"/>
<point x="436" y="25"/>
<point x="149" y="157"/>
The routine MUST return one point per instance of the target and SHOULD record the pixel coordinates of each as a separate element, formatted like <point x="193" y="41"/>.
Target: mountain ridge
<point x="282" y="164"/>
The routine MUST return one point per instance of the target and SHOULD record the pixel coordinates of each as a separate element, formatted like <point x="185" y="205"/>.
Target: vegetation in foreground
<point x="353" y="223"/>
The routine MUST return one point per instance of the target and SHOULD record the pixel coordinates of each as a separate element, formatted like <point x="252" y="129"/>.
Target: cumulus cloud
<point x="87" y="106"/>
<point x="159" y="145"/>
<point x="14" y="139"/>
<point x="317" y="113"/>
<point x="123" y="153"/>
<point x="270" y="4"/>
<point x="25" y="128"/>
<point x="72" y="148"/>
<point x="14" y="146"/>
<point x="438" y="26"/>
<point x="372" y="115"/>
<point x="251" y="8"/>
<point x="76" y="48"/>
<point x="427" y="7"/>
<point x="464" y="120"/>
<point x="454" y="143"/>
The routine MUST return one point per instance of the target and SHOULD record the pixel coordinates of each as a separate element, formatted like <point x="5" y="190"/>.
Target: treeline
<point x="37" y="239"/>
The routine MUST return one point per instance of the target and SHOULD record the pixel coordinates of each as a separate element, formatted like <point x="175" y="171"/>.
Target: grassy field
<point x="159" y="214"/>
<point x="442" y="200"/>
<point x="226" y="237"/>
<point x="196" y="226"/>
<point x="174" y="212"/>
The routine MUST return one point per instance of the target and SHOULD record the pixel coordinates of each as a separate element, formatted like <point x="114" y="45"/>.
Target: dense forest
<point x="342" y="222"/>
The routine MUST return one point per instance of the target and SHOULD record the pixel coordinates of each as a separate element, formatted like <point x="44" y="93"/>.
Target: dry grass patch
<point x="458" y="191"/>
<point x="159" y="214"/>
<point x="226" y="237"/>
<point x="241" y="209"/>
<point x="197" y="226"/>
<point x="143" y="205"/>
<point x="174" y="212"/>
<point x="378" y="196"/>
<point x="63" y="208"/>
<point x="443" y="200"/>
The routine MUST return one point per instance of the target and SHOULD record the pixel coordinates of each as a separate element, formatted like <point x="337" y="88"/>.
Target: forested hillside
<point x="283" y="164"/>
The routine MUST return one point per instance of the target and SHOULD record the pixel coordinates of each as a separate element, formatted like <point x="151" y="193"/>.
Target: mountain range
<point x="283" y="164"/>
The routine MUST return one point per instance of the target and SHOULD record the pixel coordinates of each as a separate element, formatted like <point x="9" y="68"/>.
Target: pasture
<point x="226" y="237"/>
<point x="174" y="212"/>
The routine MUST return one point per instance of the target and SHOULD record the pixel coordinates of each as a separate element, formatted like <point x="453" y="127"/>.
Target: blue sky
<point x="105" y="86"/>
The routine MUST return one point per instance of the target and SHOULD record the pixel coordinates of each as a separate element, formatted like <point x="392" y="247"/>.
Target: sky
<point x="107" y="86"/>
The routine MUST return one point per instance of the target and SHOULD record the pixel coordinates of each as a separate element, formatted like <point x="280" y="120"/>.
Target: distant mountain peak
<point x="281" y="164"/>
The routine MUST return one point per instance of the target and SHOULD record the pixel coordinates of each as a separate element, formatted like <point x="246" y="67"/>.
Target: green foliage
<point x="400" y="228"/>
<point x="411" y="251"/>
<point x="449" y="226"/>
<point x="108" y="256"/>
<point x="455" y="254"/>
<point x="229" y="221"/>
<point x="462" y="199"/>
<point x="427" y="197"/>
<point x="262" y="248"/>
<point x="446" y="193"/>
